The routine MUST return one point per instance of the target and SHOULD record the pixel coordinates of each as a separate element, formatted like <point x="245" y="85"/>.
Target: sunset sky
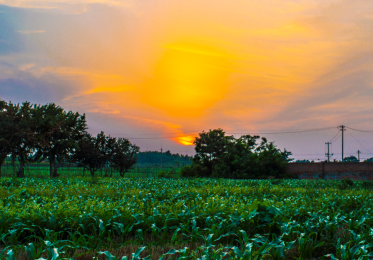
<point x="159" y="72"/>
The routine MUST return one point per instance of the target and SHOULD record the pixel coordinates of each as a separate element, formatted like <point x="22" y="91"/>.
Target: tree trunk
<point x="92" y="172"/>
<point x="55" y="174"/>
<point x="21" y="172"/>
<point x="83" y="171"/>
<point x="0" y="169"/>
<point x="51" y="160"/>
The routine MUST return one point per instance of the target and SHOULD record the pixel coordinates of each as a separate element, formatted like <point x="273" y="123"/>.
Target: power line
<point x="359" y="142"/>
<point x="256" y="133"/>
<point x="359" y="130"/>
<point x="332" y="140"/>
<point x="290" y="131"/>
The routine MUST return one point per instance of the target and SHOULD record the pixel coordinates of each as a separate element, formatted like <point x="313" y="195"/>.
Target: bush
<point x="195" y="170"/>
<point x="367" y="185"/>
<point x="187" y="171"/>
<point x="346" y="183"/>
<point x="162" y="174"/>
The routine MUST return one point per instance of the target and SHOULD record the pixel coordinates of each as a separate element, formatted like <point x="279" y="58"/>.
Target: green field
<point x="151" y="218"/>
<point x="42" y="171"/>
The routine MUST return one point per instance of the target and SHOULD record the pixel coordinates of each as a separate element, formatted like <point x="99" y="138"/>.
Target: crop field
<point x="157" y="218"/>
<point x="42" y="170"/>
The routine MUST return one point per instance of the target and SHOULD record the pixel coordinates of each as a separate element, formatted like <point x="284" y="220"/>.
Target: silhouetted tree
<point x="58" y="133"/>
<point x="4" y="125"/>
<point x="351" y="158"/>
<point x="124" y="156"/>
<point x="218" y="155"/>
<point x="16" y="133"/>
<point x="90" y="154"/>
<point x="209" y="147"/>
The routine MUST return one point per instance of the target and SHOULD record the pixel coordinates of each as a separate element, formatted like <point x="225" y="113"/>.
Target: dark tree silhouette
<point x="58" y="133"/>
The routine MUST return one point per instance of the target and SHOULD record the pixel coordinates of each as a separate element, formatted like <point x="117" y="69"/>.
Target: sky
<point x="160" y="72"/>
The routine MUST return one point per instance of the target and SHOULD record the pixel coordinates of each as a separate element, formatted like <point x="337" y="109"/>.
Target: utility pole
<point x="358" y="155"/>
<point x="328" y="154"/>
<point x="342" y="128"/>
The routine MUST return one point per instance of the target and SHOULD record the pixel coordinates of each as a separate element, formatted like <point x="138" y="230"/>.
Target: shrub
<point x="367" y="185"/>
<point x="346" y="183"/>
<point x="187" y="171"/>
<point x="162" y="174"/>
<point x="195" y="170"/>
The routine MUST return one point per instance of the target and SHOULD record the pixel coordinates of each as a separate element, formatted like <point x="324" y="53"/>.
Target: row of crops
<point x="153" y="218"/>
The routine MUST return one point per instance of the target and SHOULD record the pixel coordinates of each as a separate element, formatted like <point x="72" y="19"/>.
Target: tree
<point x="241" y="158"/>
<point x="351" y="158"/>
<point x="90" y="154"/>
<point x="17" y="137"/>
<point x="124" y="155"/>
<point x="58" y="133"/>
<point x="4" y="143"/>
<point x="209" y="146"/>
<point x="272" y="161"/>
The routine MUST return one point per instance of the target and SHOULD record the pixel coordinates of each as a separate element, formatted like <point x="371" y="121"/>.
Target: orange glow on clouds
<point x="187" y="80"/>
<point x="185" y="140"/>
<point x="186" y="66"/>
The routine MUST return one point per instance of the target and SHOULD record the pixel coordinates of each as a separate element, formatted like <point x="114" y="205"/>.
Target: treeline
<point x="167" y="158"/>
<point x="33" y="133"/>
<point x="221" y="156"/>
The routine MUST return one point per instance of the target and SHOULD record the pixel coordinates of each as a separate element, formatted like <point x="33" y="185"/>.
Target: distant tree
<point x="302" y="161"/>
<point x="369" y="160"/>
<point x="91" y="154"/>
<point x="155" y="157"/>
<point x="58" y="133"/>
<point x="106" y="145"/>
<point x="124" y="155"/>
<point x="351" y="158"/>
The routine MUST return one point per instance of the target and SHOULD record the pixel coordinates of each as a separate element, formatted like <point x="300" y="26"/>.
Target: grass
<point x="41" y="170"/>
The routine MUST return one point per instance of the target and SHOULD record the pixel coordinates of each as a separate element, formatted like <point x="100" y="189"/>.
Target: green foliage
<point x="192" y="218"/>
<point x="34" y="132"/>
<point x="367" y="185"/>
<point x="224" y="156"/>
<point x="162" y="174"/>
<point x="96" y="152"/>
<point x="16" y="135"/>
<point x="91" y="153"/>
<point x="124" y="155"/>
<point x="167" y="158"/>
<point x="58" y="132"/>
<point x="346" y="184"/>
<point x="302" y="161"/>
<point x="350" y="159"/>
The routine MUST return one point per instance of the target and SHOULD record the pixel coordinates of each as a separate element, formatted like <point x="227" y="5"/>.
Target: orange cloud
<point x="186" y="140"/>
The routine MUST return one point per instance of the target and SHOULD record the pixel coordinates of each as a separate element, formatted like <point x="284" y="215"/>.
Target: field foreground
<point x="81" y="218"/>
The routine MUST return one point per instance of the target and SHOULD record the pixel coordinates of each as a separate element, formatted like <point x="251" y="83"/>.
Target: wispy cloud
<point x="25" y="67"/>
<point x="32" y="31"/>
<point x="60" y="4"/>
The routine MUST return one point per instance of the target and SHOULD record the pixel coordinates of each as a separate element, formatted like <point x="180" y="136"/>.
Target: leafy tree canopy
<point x="218" y="155"/>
